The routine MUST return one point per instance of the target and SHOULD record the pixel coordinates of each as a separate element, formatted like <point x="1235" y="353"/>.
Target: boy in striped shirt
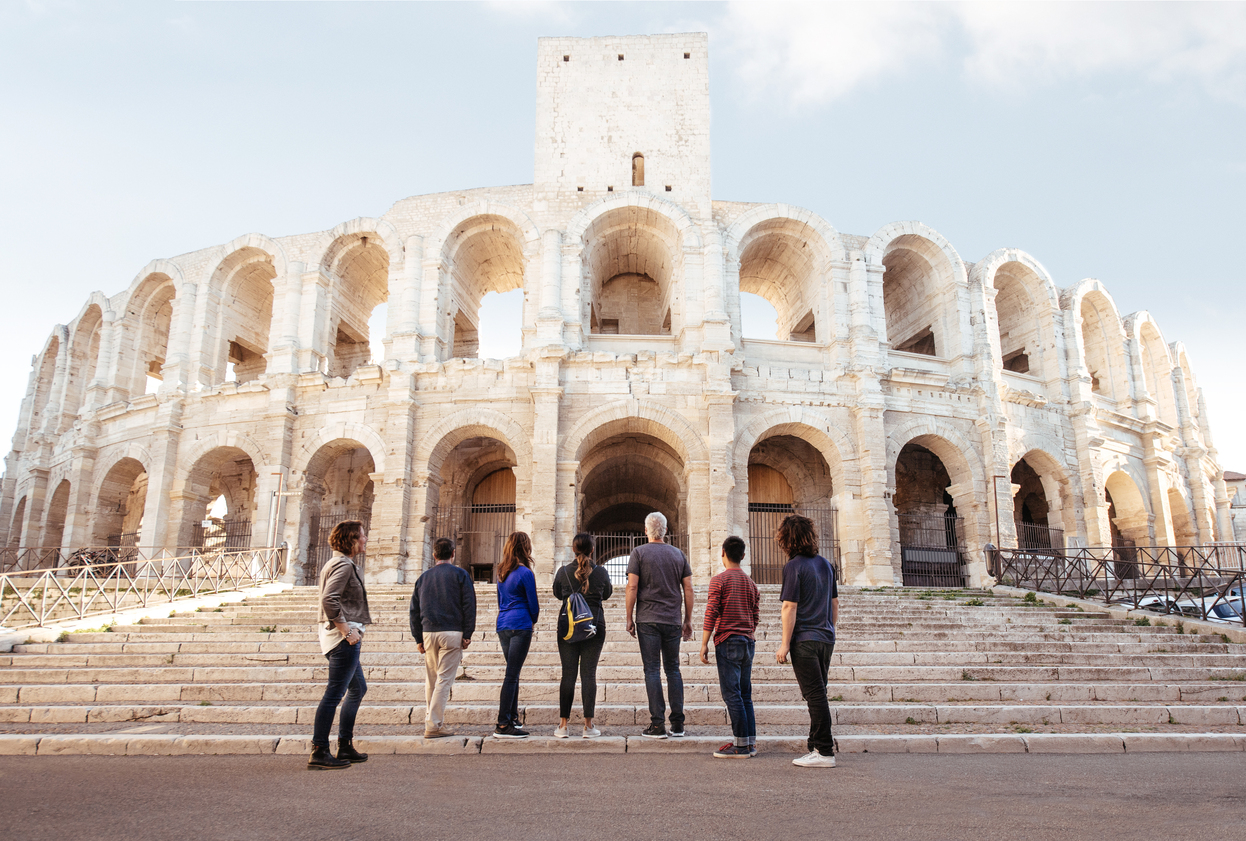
<point x="731" y="614"/>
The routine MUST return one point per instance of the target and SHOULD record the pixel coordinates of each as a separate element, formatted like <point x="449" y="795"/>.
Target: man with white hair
<point x="659" y="578"/>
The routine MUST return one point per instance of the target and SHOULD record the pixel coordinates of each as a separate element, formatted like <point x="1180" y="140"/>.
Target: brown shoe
<point x="438" y="733"/>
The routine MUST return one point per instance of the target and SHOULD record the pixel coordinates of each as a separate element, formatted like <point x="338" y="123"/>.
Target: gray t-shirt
<point x="662" y="569"/>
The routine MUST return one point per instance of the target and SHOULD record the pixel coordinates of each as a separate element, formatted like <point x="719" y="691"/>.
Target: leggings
<point x="582" y="657"/>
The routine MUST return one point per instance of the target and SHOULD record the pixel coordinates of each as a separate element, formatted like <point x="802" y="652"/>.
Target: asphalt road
<point x="619" y="797"/>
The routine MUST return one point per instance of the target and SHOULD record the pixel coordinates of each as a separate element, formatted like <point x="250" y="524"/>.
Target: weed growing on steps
<point x="974" y="603"/>
<point x="1237" y="676"/>
<point x="268" y="629"/>
<point x="1030" y="598"/>
<point x="1223" y="698"/>
<point x="1020" y="728"/>
<point x="964" y="675"/>
<point x="1143" y="622"/>
<point x="910" y="720"/>
<point x="205" y="703"/>
<point x="1180" y="627"/>
<point x="64" y="637"/>
<point x="1064" y="622"/>
<point x="836" y="698"/>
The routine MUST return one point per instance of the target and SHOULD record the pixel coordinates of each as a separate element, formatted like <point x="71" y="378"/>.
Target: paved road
<point x="621" y="797"/>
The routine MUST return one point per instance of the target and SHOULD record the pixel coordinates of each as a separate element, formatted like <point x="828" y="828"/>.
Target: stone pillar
<point x="571" y="278"/>
<point x="32" y="518"/>
<point x="313" y="348"/>
<point x="175" y="374"/>
<point x="283" y="357"/>
<point x="713" y="268"/>
<point x="551" y="545"/>
<point x="165" y="436"/>
<point x="205" y="340"/>
<point x="108" y="387"/>
<point x="431" y="307"/>
<point x="880" y="564"/>
<point x="404" y="307"/>
<point x="721" y="411"/>
<point x="1154" y="464"/>
<point x="78" y="511"/>
<point x="389" y="540"/>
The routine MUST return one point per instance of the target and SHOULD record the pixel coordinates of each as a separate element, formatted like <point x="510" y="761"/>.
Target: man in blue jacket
<point x="443" y="618"/>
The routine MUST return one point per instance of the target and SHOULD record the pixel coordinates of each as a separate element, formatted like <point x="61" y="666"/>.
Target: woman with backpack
<point x="518" y="609"/>
<point x="592" y="583"/>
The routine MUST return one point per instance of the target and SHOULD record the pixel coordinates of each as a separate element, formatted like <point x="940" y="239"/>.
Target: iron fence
<point x="1036" y="537"/>
<point x="222" y="535"/>
<point x="39" y="597"/>
<point x="13" y="559"/>
<point x="932" y="550"/>
<point x="1190" y="581"/>
<point x="767" y="558"/>
<point x="479" y="532"/>
<point x="318" y="549"/>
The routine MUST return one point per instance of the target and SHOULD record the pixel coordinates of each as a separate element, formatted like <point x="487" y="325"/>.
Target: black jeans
<point x="345" y="679"/>
<point x="660" y="642"/>
<point x="811" y="661"/>
<point x="515" y="646"/>
<point x="582" y="657"/>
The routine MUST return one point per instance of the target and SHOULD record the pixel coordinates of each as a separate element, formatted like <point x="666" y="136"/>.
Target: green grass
<point x="268" y="629"/>
<point x="1064" y="622"/>
<point x="910" y="720"/>
<point x="964" y="675"/>
<point x="836" y="698"/>
<point x="205" y="703"/>
<point x="1031" y="598"/>
<point x="974" y="603"/>
<point x="1236" y="676"/>
<point x="1143" y="622"/>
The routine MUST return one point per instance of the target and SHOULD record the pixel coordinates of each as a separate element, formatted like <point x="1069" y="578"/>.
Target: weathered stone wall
<point x="266" y="393"/>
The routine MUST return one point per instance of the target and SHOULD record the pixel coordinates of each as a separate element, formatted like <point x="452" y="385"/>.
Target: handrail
<point x="1189" y="581"/>
<point x="14" y="559"/>
<point x="32" y="598"/>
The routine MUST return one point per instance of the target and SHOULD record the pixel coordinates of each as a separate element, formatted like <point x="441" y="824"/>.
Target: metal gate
<point x="318" y="549"/>
<point x="767" y="558"/>
<point x="932" y="550"/>
<point x="222" y="535"/>
<point x="1034" y="537"/>
<point x="614" y="550"/>
<point x="479" y="532"/>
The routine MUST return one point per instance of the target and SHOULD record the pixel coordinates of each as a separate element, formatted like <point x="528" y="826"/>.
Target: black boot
<point x="322" y="760"/>
<point x="346" y="750"/>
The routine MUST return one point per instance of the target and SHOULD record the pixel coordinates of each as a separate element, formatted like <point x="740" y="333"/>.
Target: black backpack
<point x="576" y="622"/>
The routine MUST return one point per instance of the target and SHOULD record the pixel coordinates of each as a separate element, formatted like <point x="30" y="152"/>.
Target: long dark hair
<point x="583" y="546"/>
<point x="796" y="536"/>
<point x="518" y="550"/>
<point x="345" y="535"/>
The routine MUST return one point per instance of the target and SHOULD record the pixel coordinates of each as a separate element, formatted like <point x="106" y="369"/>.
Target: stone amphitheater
<point x="916" y="405"/>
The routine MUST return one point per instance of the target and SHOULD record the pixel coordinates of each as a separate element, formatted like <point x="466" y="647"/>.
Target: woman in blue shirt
<point x="518" y="610"/>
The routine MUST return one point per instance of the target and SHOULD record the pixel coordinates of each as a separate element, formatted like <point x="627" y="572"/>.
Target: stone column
<point x="391" y="520"/>
<point x="571" y="278"/>
<point x="108" y="387"/>
<point x="404" y="297"/>
<point x="721" y="410"/>
<point x="549" y="320"/>
<point x="713" y="269"/>
<point x="288" y="308"/>
<point x="175" y="374"/>
<point x="313" y="348"/>
<point x="431" y="307"/>
<point x="78" y="511"/>
<point x="205" y="341"/>
<point x="551" y="546"/>
<point x="165" y="435"/>
<point x="880" y="561"/>
<point x="32" y="518"/>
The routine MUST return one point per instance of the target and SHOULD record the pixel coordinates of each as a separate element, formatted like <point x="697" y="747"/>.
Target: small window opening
<point x="1018" y="362"/>
<point x="620" y="56"/>
<point x="610" y="326"/>
<point x="668" y="188"/>
<point x="566" y="58"/>
<point x="609" y="189"/>
<point x="922" y="343"/>
<point x="638" y="170"/>
<point x="579" y="189"/>
<point x="687" y="55"/>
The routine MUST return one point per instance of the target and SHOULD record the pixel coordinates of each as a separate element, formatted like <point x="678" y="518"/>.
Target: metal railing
<point x="37" y="597"/>
<point x="1034" y="536"/>
<point x="932" y="550"/>
<point x="14" y="559"/>
<point x="613" y="550"/>
<point x="1190" y="581"/>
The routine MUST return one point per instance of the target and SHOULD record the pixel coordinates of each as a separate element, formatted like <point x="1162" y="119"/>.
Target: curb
<point x="174" y="745"/>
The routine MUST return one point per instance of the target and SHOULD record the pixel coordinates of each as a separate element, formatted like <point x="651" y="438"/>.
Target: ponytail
<point x="583" y="548"/>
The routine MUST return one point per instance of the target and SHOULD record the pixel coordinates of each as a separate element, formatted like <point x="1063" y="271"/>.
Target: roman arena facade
<point x="918" y="406"/>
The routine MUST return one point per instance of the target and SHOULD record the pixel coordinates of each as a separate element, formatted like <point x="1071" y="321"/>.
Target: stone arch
<point x="360" y="434"/>
<point x="633" y="415"/>
<point x="147" y="323"/>
<point x="16" y="536"/>
<point x="770" y="247"/>
<point x="1184" y="531"/>
<point x="1099" y="339"/>
<point x="1130" y="516"/>
<point x="957" y="453"/>
<point x="459" y="426"/>
<point x="58" y="512"/>
<point x="360" y="226"/>
<point x="231" y="439"/>
<point x="45" y="369"/>
<point x="1057" y="487"/>
<point x="811" y="426"/>
<point x="244" y="279"/>
<point x="337" y="483"/>
<point x="1188" y="383"/>
<point x="1024" y="306"/>
<point x="1153" y="364"/>
<point x="482" y="252"/>
<point x="225" y="464"/>
<point x="120" y="502"/>
<point x="690" y="234"/>
<point x="924" y="289"/>
<point x="360" y="262"/>
<point x="85" y="349"/>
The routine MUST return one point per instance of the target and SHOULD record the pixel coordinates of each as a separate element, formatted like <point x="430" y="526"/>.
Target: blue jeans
<point x="660" y="642"/>
<point x="735" y="680"/>
<point x="345" y="679"/>
<point x="514" y="651"/>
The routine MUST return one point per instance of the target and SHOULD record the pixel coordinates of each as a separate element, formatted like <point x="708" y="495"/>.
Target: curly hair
<point x="518" y="550"/>
<point x="345" y="535"/>
<point x="796" y="536"/>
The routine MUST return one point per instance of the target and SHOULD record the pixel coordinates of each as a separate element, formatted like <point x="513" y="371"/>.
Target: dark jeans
<point x="582" y="657"/>
<point x="735" y="680"/>
<point x="811" y="661"/>
<point x="660" y="642"/>
<point x="514" y="650"/>
<point x="345" y="679"/>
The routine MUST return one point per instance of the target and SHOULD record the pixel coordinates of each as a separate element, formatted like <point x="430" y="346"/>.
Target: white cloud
<point x="817" y="52"/>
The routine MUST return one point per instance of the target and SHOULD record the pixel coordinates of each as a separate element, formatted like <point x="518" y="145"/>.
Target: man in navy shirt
<point x="810" y="608"/>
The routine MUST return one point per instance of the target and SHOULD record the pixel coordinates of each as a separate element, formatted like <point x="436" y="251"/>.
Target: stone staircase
<point x="910" y="664"/>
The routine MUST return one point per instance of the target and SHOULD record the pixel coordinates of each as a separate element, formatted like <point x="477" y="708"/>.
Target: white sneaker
<point x="560" y="732"/>
<point x="591" y="732"/>
<point x="813" y="759"/>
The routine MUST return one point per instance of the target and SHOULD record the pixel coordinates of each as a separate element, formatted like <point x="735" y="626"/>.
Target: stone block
<point x="15" y="715"/>
<point x="227" y="745"/>
<point x="1074" y="743"/>
<point x="884" y="744"/>
<point x="70" y="694"/>
<point x="142" y="693"/>
<point x="82" y="745"/>
<point x="154" y="744"/>
<point x="688" y="744"/>
<point x="548" y="744"/>
<point x="1207" y="716"/>
<point x="133" y="713"/>
<point x="990" y="743"/>
<point x="1180" y="742"/>
<point x="18" y="745"/>
<point x="1133" y="716"/>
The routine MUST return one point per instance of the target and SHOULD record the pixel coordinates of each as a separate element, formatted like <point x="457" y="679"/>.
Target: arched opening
<point x="916" y="278"/>
<point x="484" y="255"/>
<point x="1157" y="371"/>
<point x="122" y="499"/>
<point x="16" y="524"/>
<point x="359" y="266"/>
<point x="337" y="486"/>
<point x="246" y="314"/>
<point x="1129" y="523"/>
<point x="787" y="475"/>
<point x="622" y="479"/>
<point x="779" y="261"/>
<point x="1101" y="347"/>
<point x="932" y="531"/>
<point x="1020" y="336"/>
<point x="1184" y="532"/>
<point x="501" y="325"/>
<point x="1032" y="512"/>
<point x="226" y="472"/>
<point x="1191" y="389"/>
<point x="43" y="386"/>
<point x="84" y="351"/>
<point x="638" y="170"/>
<point x="151" y="320"/>
<point x="632" y="262"/>
<point x="476" y="503"/>
<point x="58" y="510"/>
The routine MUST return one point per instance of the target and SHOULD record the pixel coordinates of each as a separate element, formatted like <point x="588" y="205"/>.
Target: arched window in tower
<point x="638" y="170"/>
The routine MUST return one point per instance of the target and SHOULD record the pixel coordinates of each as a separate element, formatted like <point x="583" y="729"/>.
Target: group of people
<point x="659" y="605"/>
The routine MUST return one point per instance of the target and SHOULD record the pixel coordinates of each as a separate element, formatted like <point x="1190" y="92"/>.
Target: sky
<point x="1106" y="140"/>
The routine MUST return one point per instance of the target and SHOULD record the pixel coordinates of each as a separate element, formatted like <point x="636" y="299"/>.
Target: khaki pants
<point x="443" y="651"/>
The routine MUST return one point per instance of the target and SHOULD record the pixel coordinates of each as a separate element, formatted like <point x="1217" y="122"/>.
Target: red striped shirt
<point x="733" y="605"/>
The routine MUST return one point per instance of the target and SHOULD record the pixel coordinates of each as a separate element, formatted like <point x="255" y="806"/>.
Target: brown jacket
<point x="342" y="595"/>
